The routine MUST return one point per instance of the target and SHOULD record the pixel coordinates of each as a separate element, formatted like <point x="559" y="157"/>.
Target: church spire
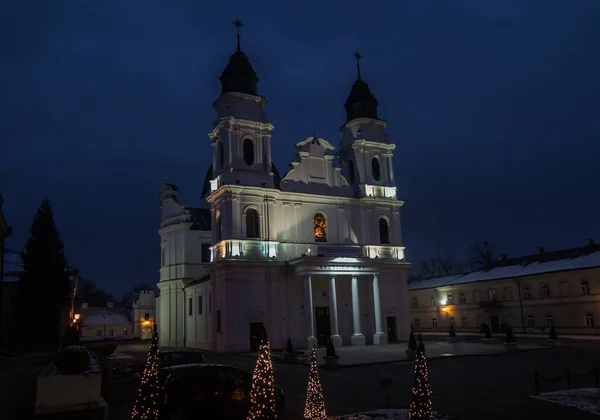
<point x="361" y="103"/>
<point x="358" y="57"/>
<point x="238" y="24"/>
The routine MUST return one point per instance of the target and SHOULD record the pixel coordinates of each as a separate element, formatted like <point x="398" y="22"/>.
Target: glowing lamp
<point x="76" y="317"/>
<point x="443" y="302"/>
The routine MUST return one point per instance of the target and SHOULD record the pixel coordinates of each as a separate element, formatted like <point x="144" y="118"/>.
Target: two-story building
<point x="530" y="293"/>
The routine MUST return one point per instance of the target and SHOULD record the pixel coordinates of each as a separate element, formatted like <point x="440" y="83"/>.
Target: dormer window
<point x="248" y="151"/>
<point x="375" y="169"/>
<point x="320" y="228"/>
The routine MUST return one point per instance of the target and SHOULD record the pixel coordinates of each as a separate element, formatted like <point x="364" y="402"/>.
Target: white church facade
<point x="312" y="255"/>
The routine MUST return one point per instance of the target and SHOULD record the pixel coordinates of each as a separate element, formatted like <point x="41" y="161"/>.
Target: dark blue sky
<point x="493" y="107"/>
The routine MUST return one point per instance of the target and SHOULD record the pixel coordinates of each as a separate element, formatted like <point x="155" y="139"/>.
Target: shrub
<point x="330" y="352"/>
<point x="553" y="336"/>
<point x="290" y="346"/>
<point x="104" y="349"/>
<point x="412" y="342"/>
<point x="452" y="333"/>
<point x="73" y="360"/>
<point x="70" y="337"/>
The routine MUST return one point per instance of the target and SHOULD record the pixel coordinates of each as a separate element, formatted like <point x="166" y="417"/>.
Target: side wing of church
<point x="314" y="255"/>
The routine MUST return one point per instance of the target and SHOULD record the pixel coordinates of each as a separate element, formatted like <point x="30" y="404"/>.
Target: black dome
<point x="239" y="76"/>
<point x="361" y="103"/>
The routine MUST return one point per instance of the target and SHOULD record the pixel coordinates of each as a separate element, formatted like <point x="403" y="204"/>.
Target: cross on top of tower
<point x="358" y="57"/>
<point x="238" y="24"/>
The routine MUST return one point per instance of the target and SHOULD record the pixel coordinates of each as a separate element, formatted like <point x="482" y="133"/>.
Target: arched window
<point x="219" y="229"/>
<point x="252" y="230"/>
<point x="384" y="231"/>
<point x="248" y="152"/>
<point x="351" y="171"/>
<point x="221" y="154"/>
<point x="375" y="169"/>
<point x="320" y="228"/>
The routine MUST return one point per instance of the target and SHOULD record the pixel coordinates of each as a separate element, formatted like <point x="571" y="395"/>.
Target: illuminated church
<point x="312" y="254"/>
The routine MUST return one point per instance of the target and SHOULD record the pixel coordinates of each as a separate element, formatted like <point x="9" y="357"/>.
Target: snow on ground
<point x="586" y="399"/>
<point x="393" y="414"/>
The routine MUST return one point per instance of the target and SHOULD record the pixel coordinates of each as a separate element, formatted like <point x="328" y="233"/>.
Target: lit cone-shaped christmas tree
<point x="420" y="407"/>
<point x="315" y="403"/>
<point x="262" y="393"/>
<point x="146" y="405"/>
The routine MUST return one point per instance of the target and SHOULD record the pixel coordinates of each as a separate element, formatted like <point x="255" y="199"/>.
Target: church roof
<point x="239" y="76"/>
<point x="361" y="102"/>
<point x="105" y="316"/>
<point x="547" y="262"/>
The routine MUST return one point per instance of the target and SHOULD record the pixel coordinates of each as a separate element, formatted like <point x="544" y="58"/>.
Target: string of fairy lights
<point x="420" y="406"/>
<point x="315" y="403"/>
<point x="262" y="393"/>
<point x="146" y="405"/>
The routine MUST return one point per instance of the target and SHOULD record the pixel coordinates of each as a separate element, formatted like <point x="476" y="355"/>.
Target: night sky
<point x="493" y="107"/>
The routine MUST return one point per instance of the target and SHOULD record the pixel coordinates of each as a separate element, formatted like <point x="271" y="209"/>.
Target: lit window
<point x="384" y="232"/>
<point x="549" y="321"/>
<point x="375" y="169"/>
<point x="526" y="293"/>
<point x="530" y="320"/>
<point x="589" y="320"/>
<point x="248" y="152"/>
<point x="320" y="228"/>
<point x="415" y="302"/>
<point x="585" y="287"/>
<point x="434" y="322"/>
<point x="463" y="322"/>
<point x="252" y="230"/>
<point x="450" y="298"/>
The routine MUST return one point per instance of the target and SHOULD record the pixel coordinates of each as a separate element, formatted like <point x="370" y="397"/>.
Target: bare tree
<point x="436" y="267"/>
<point x="480" y="254"/>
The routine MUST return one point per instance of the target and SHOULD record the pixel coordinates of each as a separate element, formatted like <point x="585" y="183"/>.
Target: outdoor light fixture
<point x="443" y="302"/>
<point x="76" y="317"/>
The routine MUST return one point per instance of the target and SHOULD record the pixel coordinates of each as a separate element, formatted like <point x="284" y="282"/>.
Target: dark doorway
<point x="391" y="329"/>
<point x="495" y="321"/>
<point x="256" y="331"/>
<point x="323" y="325"/>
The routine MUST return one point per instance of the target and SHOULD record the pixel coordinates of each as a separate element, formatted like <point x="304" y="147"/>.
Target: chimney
<point x="502" y="257"/>
<point x="589" y="242"/>
<point x="110" y="305"/>
<point x="84" y="305"/>
<point x="539" y="250"/>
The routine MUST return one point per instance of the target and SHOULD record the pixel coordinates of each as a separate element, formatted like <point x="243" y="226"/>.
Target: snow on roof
<point x="433" y="282"/>
<point x="562" y="260"/>
<point x="105" y="316"/>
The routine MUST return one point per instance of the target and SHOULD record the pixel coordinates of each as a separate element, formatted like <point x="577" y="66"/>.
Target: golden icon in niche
<point x="320" y="227"/>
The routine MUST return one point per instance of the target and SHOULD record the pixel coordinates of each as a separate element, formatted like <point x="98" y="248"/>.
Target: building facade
<point x="531" y="293"/>
<point x="314" y="254"/>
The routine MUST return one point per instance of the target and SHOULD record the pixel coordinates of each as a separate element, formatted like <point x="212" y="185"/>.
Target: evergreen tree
<point x="262" y="393"/>
<point x="146" y="405"/>
<point x="44" y="286"/>
<point x="452" y="333"/>
<point x="420" y="407"/>
<point x="315" y="403"/>
<point x="412" y="342"/>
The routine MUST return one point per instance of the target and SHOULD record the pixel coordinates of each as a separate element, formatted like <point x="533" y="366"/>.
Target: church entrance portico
<point x="350" y="280"/>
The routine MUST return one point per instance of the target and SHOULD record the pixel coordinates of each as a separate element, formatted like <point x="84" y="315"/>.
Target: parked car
<point x="208" y="391"/>
<point x="165" y="359"/>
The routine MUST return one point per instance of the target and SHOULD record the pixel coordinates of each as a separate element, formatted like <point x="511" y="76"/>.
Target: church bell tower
<point x="241" y="137"/>
<point x="365" y="150"/>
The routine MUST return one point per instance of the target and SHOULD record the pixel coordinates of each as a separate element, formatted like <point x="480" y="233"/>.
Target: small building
<point x="106" y="322"/>
<point x="529" y="293"/>
<point x="143" y="314"/>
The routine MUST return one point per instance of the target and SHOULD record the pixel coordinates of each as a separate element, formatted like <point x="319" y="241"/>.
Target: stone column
<point x="358" y="339"/>
<point x="379" y="337"/>
<point x="335" y="336"/>
<point x="308" y="305"/>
